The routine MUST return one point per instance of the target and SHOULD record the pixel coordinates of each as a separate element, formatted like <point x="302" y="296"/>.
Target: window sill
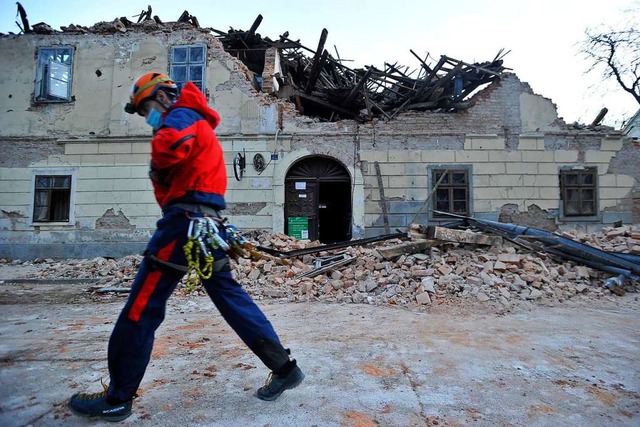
<point x="51" y="224"/>
<point x="597" y="218"/>
<point x="52" y="101"/>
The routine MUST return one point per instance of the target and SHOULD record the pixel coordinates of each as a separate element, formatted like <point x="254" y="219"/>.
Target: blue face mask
<point x="154" y="119"/>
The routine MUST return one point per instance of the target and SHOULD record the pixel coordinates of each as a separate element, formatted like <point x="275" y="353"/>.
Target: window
<point x="52" y="198"/>
<point x="188" y="64"/>
<point x="452" y="194"/>
<point x="54" y="74"/>
<point x="578" y="191"/>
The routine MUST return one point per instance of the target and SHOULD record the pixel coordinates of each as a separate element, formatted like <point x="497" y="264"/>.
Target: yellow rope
<point x="196" y="270"/>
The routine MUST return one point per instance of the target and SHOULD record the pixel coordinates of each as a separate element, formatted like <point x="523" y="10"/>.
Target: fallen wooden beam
<point x="415" y="246"/>
<point x="113" y="290"/>
<point x="383" y="200"/>
<point x="317" y="61"/>
<point x="326" y="268"/>
<point x="457" y="236"/>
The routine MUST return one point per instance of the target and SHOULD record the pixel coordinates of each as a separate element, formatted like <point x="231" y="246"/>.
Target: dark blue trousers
<point x="132" y="338"/>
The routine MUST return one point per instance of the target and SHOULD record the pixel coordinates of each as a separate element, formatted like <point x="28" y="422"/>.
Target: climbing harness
<point x="203" y="238"/>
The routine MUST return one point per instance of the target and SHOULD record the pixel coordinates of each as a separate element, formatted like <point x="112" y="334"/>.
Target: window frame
<point x="188" y="64"/>
<point x="42" y="92"/>
<point x="562" y="187"/>
<point x="72" y="191"/>
<point x="431" y="182"/>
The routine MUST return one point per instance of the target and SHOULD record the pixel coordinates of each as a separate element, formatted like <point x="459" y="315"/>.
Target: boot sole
<point x="100" y="417"/>
<point x="286" y="387"/>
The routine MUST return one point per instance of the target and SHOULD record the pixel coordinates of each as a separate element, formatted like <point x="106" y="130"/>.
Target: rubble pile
<point x="505" y="275"/>
<point x="624" y="239"/>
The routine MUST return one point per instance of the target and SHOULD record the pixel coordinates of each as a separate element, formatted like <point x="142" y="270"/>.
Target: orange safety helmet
<point x="146" y="87"/>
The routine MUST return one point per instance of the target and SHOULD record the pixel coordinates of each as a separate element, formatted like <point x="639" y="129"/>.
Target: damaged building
<point x="314" y="149"/>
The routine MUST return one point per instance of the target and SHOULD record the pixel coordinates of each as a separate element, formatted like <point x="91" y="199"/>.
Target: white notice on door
<point x="301" y="185"/>
<point x="302" y="195"/>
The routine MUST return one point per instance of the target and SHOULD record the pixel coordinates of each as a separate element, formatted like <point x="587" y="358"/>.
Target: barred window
<point x="52" y="198"/>
<point x="578" y="191"/>
<point x="188" y="63"/>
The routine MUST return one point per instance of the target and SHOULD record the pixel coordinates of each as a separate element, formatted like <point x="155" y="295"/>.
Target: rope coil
<point x="203" y="237"/>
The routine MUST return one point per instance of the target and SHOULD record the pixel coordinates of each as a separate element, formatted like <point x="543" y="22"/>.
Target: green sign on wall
<point x="298" y="227"/>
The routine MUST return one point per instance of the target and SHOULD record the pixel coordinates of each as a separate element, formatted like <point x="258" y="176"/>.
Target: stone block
<point x="540" y="181"/>
<point x="14" y="199"/>
<point x="523" y="193"/>
<point x="565" y="156"/>
<point x="97" y="160"/>
<point x="402" y="156"/>
<point x="116" y="172"/>
<point x="416" y="169"/>
<point x="94" y="185"/>
<point x="15" y="174"/>
<point x="404" y="207"/>
<point x="373" y="156"/>
<point x="114" y="148"/>
<point x="406" y="181"/>
<point x="489" y="193"/>
<point x="546" y="168"/>
<point x="471" y="156"/>
<point x="611" y="144"/>
<point x="522" y="168"/>
<point x="505" y="156"/>
<point x="538" y="156"/>
<point x="608" y="180"/>
<point x="140" y="171"/>
<point x="140" y="147"/>
<point x="625" y="181"/>
<point x="484" y="142"/>
<point x="489" y="169"/>
<point x="132" y="159"/>
<point x="85" y="198"/>
<point x="81" y="148"/>
<point x="531" y="143"/>
<point x="593" y="156"/>
<point x="611" y="217"/>
<point x="438" y="156"/>
<point x="130" y="184"/>
<point x="114" y="197"/>
<point x="548" y="193"/>
<point x="23" y="186"/>
<point x="392" y="169"/>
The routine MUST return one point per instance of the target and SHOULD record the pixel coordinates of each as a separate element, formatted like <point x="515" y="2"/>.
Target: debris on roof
<point x="323" y="86"/>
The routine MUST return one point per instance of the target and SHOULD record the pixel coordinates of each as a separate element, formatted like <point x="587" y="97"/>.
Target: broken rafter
<point x="338" y="91"/>
<point x="23" y="18"/>
<point x="318" y="60"/>
<point x="255" y="25"/>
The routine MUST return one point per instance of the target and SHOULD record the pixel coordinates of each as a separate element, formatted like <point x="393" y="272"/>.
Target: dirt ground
<point x="456" y="364"/>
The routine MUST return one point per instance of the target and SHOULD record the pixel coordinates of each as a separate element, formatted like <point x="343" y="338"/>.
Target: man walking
<point x="189" y="181"/>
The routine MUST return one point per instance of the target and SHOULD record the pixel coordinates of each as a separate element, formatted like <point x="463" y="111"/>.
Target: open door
<point x="318" y="200"/>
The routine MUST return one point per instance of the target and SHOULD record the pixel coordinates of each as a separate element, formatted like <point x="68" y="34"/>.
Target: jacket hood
<point x="191" y="97"/>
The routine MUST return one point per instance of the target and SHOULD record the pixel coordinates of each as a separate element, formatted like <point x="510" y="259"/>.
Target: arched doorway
<point x="317" y="202"/>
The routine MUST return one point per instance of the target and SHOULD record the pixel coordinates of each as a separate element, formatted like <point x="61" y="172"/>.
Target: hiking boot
<point x="276" y="384"/>
<point x="95" y="405"/>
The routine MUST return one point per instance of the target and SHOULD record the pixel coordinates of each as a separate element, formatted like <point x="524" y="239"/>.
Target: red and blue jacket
<point x="187" y="163"/>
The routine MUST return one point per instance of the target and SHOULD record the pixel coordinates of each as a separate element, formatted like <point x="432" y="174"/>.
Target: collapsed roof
<point x="321" y="85"/>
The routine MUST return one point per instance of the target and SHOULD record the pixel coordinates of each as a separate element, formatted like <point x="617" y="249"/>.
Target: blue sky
<point x="541" y="35"/>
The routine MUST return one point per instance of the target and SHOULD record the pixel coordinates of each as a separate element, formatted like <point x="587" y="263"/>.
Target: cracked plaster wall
<point x="511" y="137"/>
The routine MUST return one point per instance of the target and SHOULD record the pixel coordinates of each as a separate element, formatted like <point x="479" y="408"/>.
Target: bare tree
<point x="616" y="55"/>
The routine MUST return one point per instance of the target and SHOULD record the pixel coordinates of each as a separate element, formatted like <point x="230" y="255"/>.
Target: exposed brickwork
<point x="22" y="152"/>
